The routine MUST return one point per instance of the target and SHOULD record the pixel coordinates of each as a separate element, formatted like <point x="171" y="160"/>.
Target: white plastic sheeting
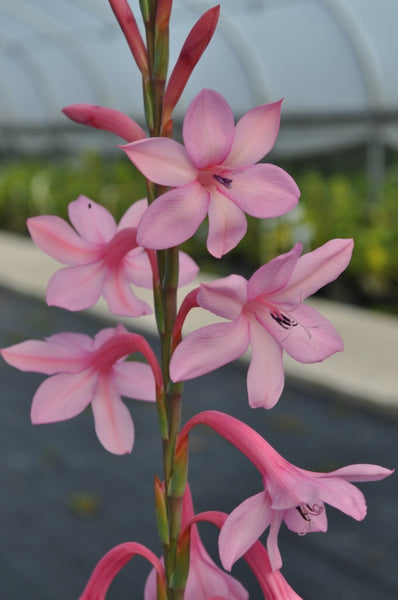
<point x="334" y="62"/>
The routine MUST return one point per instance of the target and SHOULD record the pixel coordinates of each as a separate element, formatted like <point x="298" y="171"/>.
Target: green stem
<point x="165" y="301"/>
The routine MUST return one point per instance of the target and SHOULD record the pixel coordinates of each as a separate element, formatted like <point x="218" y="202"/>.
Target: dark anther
<point x="307" y="510"/>
<point x="303" y="514"/>
<point x="89" y="204"/>
<point x="283" y="320"/>
<point x="224" y="181"/>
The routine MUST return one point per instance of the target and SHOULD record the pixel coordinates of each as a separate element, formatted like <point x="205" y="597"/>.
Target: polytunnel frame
<point x="52" y="29"/>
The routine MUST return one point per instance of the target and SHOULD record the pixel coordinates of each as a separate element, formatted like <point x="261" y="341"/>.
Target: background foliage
<point x="334" y="203"/>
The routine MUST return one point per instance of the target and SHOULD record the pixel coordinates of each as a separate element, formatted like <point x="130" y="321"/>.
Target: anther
<point x="283" y="320"/>
<point x="303" y="514"/>
<point x="224" y="181"/>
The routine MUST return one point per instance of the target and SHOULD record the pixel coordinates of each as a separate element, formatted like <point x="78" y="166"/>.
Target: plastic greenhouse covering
<point x="333" y="61"/>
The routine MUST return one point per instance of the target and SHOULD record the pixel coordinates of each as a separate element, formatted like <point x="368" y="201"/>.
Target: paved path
<point x="64" y="501"/>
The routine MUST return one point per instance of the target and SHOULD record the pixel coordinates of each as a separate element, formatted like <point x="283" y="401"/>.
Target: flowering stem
<point x="156" y="15"/>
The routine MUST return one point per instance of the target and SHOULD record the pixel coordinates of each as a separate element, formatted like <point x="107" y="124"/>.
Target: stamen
<point x="315" y="509"/>
<point x="303" y="514"/>
<point x="224" y="181"/>
<point x="283" y="320"/>
<point x="307" y="511"/>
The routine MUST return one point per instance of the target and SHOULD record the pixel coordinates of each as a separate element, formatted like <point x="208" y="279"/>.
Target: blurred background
<point x="64" y="500"/>
<point x="333" y="61"/>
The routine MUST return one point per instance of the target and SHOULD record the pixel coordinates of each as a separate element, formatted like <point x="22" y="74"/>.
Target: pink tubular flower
<point x="214" y="173"/>
<point x="193" y="48"/>
<point x="267" y="313"/>
<point x="206" y="580"/>
<point x="290" y="494"/>
<point x="106" y="119"/>
<point x="110" y="565"/>
<point x="103" y="258"/>
<point x="90" y="371"/>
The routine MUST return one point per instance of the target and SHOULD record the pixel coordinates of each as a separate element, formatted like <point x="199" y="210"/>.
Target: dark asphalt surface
<point x="65" y="501"/>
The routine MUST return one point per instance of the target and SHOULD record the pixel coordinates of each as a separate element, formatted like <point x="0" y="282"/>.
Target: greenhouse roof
<point x="329" y="59"/>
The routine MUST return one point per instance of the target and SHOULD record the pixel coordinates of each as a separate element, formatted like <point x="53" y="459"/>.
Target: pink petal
<point x="206" y="579"/>
<point x="208" y="129"/>
<point x="120" y="297"/>
<point x="107" y="334"/>
<point x="344" y="496"/>
<point x="188" y="269"/>
<point x="255" y="135"/>
<point x="361" y="472"/>
<point x="262" y="190"/>
<point x="55" y="237"/>
<point x="288" y="486"/>
<point x="78" y="343"/>
<point x="173" y="217"/>
<point x="273" y="276"/>
<point x="92" y="221"/>
<point x="227" y="225"/>
<point x="62" y="397"/>
<point x="132" y="216"/>
<point x="113" y="423"/>
<point x="265" y="376"/>
<point x="135" y="380"/>
<point x="313" y="338"/>
<point x="162" y="160"/>
<point x="224" y="297"/>
<point x="44" y="357"/>
<point x="316" y="269"/>
<point x="137" y="268"/>
<point x="242" y="528"/>
<point x="272" y="541"/>
<point x="76" y="288"/>
<point x="208" y="349"/>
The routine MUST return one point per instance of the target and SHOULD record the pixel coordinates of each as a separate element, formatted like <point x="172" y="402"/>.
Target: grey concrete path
<point x="367" y="370"/>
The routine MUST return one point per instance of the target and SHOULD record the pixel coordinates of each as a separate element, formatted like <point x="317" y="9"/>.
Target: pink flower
<point x="90" y="371"/>
<point x="272" y="583"/>
<point x="104" y="258"/>
<point x="291" y="494"/>
<point x="267" y="313"/>
<point x="206" y="580"/>
<point x="193" y="48"/>
<point x="107" y="119"/>
<point x="110" y="565"/>
<point x="214" y="174"/>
